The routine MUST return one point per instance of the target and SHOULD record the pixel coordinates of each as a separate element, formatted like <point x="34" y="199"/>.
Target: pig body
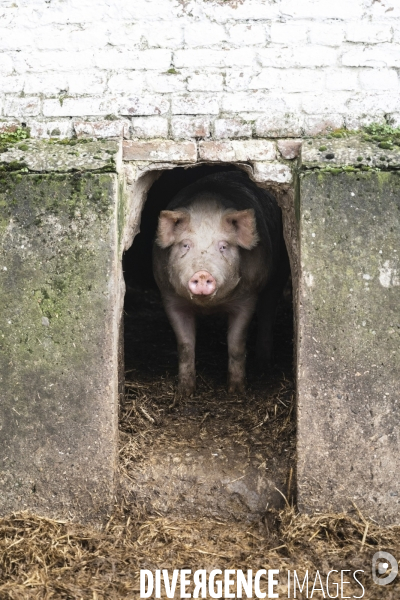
<point x="219" y="247"/>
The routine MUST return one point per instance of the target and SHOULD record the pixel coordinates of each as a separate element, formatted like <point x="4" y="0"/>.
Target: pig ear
<point x="169" y="222"/>
<point x="243" y="222"/>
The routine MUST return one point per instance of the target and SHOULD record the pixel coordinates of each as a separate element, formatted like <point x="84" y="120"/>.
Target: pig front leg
<point x="183" y="323"/>
<point x="238" y="323"/>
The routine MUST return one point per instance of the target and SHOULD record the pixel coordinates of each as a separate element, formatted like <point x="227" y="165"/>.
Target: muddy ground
<point x="187" y="498"/>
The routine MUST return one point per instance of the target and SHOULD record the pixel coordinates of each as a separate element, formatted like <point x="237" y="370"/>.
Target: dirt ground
<point x="157" y="525"/>
<point x="213" y="455"/>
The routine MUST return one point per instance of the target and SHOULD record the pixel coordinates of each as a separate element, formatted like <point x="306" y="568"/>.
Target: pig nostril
<point x="202" y="284"/>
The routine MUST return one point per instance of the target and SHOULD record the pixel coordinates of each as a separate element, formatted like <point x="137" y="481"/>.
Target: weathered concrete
<point x="353" y="151"/>
<point x="348" y="340"/>
<point x="60" y="292"/>
<point x="62" y="156"/>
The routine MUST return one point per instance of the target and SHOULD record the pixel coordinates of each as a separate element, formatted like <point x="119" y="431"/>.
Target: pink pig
<point x="219" y="248"/>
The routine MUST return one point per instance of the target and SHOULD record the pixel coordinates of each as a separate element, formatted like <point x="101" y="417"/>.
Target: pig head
<point x="204" y="244"/>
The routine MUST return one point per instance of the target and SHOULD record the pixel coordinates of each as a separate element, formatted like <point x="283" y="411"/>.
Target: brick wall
<point x="198" y="68"/>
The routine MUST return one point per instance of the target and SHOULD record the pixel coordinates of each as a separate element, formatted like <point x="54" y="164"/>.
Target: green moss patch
<point x="13" y="137"/>
<point x="385" y="136"/>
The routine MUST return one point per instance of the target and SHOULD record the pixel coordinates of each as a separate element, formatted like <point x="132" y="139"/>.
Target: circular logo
<point x="381" y="561"/>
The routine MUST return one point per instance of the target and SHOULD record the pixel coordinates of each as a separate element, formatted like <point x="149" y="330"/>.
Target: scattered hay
<point x="45" y="559"/>
<point x="255" y="435"/>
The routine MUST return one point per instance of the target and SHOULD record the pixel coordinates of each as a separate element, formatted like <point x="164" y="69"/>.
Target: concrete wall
<point x="59" y="328"/>
<point x="61" y="293"/>
<point x="199" y="68"/>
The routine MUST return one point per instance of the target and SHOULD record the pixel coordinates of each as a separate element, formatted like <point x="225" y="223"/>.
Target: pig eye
<point x="222" y="246"/>
<point x="185" y="246"/>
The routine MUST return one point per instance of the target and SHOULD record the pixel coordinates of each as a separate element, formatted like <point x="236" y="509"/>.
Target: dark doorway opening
<point x="256" y="429"/>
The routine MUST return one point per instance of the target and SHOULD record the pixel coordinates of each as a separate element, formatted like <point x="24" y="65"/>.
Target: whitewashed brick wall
<point x="198" y="68"/>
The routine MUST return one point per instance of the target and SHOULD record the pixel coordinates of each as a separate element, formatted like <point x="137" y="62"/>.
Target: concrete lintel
<point x="353" y="151"/>
<point x="62" y="156"/>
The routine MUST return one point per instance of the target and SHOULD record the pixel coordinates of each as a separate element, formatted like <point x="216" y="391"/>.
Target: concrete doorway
<point x="214" y="455"/>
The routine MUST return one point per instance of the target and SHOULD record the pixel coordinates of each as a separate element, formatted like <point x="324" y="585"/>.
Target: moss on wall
<point x="58" y="287"/>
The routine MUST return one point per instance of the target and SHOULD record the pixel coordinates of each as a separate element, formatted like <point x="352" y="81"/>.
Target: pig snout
<point x="202" y="283"/>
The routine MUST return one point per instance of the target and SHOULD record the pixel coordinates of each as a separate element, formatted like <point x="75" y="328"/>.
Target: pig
<point x="219" y="248"/>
